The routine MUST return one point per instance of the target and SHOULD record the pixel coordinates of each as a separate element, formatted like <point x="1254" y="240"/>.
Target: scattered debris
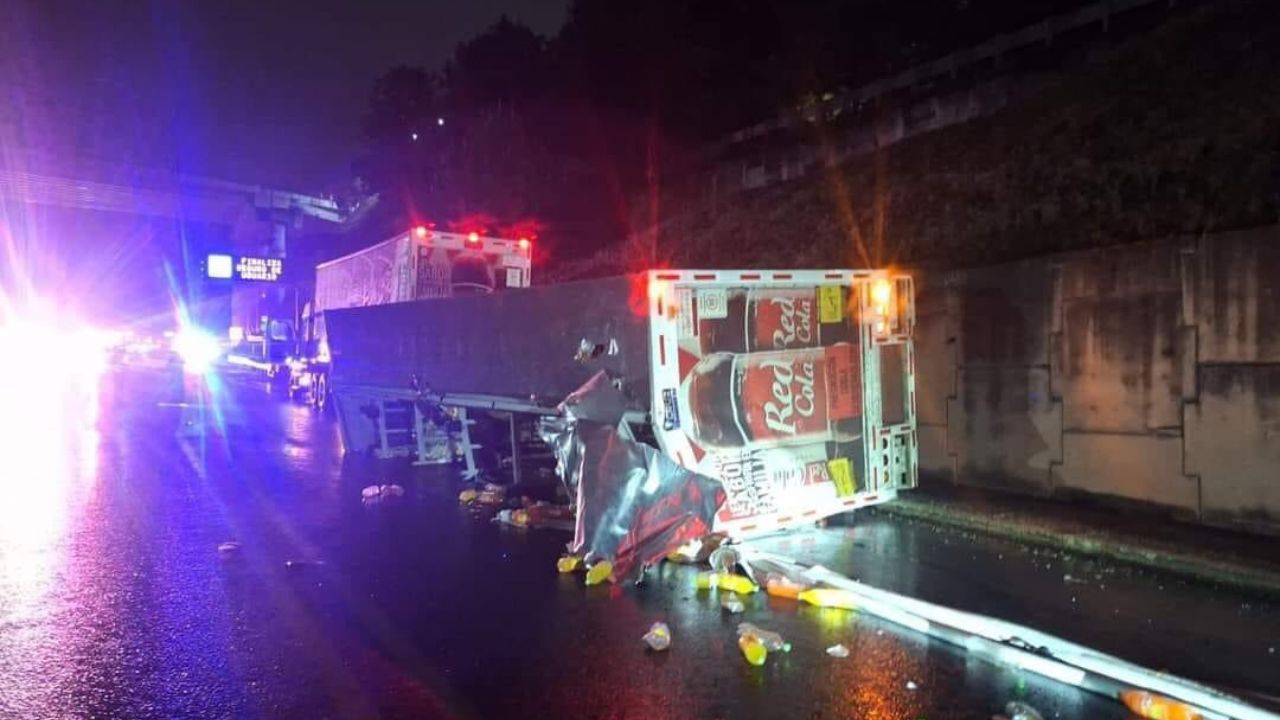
<point x="686" y="554"/>
<point x="780" y="586"/>
<point x="1015" y="710"/>
<point x="730" y="582"/>
<point x="374" y="494"/>
<point x="600" y="572"/>
<point x="1157" y="707"/>
<point x="492" y="495"/>
<point x="724" y="559"/>
<point x="829" y="597"/>
<point x="518" y="517"/>
<point x="838" y="651"/>
<point x="537" y="515"/>
<point x="300" y="564"/>
<point x="228" y="547"/>
<point x="911" y="685"/>
<point x="771" y="640"/>
<point x="1075" y="580"/>
<point x="697" y="550"/>
<point x="468" y="496"/>
<point x="732" y="603"/>
<point x="568" y="563"/>
<point x="659" y="637"/>
<point x="736" y="583"/>
<point x="753" y="651"/>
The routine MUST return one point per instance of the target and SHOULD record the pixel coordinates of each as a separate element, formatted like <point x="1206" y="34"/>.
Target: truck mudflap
<point x="794" y="389"/>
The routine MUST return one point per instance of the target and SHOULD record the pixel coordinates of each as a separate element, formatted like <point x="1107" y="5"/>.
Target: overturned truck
<point x="795" y="390"/>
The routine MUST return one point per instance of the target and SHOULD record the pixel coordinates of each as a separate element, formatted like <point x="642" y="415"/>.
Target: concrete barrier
<point x="1147" y="372"/>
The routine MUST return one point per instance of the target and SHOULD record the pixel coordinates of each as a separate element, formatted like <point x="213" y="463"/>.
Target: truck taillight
<point x="524" y="243"/>
<point x="473" y="238"/>
<point x="882" y="295"/>
<point x="889" y="306"/>
<point x="421" y="231"/>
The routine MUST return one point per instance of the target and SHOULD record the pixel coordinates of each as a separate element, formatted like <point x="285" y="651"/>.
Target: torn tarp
<point x="634" y="504"/>
<point x="596" y="401"/>
<point x="597" y="404"/>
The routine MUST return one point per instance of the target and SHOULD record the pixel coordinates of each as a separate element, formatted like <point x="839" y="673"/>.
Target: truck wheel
<point x="320" y="392"/>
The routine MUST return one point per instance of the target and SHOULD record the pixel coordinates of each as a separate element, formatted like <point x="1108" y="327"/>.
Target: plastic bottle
<point x="752" y="649"/>
<point x="568" y="563"/>
<point x="779" y="586"/>
<point x="829" y="597"/>
<point x="659" y="637"/>
<point x="706" y="580"/>
<point x="723" y="558"/>
<point x="733" y="582"/>
<point x="771" y="640"/>
<point x="1157" y="707"/>
<point x="1015" y="710"/>
<point x="599" y="572"/>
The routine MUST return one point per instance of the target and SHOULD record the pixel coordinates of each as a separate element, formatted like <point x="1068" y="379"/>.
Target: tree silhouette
<point x="405" y="100"/>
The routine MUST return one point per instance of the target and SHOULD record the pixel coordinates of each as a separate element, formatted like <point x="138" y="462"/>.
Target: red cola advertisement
<point x="767" y="397"/>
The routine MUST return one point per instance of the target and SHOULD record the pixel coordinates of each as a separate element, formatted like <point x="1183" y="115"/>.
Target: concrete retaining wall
<point x="1147" y="372"/>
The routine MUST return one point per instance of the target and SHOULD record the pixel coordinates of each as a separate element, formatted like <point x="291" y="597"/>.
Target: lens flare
<point x="198" y="349"/>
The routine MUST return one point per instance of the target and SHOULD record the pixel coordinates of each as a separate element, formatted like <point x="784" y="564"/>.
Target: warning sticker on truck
<point x="713" y="304"/>
<point x="830" y="304"/>
<point x="670" y="409"/>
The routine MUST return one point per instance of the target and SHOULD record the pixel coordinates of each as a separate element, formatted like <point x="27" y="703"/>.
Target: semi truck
<point x="418" y="264"/>
<point x="794" y="389"/>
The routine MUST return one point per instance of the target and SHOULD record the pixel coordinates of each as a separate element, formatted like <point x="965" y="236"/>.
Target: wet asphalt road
<point x="115" y="601"/>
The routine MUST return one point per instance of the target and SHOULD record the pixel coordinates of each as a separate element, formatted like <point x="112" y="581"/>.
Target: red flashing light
<point x="421" y="231"/>
<point x="473" y="238"/>
<point x="524" y="243"/>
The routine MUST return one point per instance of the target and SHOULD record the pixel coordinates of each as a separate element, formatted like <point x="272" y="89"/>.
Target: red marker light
<point x="474" y="237"/>
<point x="420" y="231"/>
<point x="524" y="243"/>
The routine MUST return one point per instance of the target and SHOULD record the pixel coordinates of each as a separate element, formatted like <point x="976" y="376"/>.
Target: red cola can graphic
<point x="741" y="320"/>
<point x="787" y="397"/>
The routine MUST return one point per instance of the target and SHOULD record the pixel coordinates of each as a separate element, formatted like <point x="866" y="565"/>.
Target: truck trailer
<point x="794" y="389"/>
<point x="418" y="264"/>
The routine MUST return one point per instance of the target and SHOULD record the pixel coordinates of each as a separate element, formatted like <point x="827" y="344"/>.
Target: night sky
<point x="266" y="91"/>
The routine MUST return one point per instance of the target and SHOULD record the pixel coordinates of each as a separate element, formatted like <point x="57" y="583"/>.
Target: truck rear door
<point x="793" y="388"/>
